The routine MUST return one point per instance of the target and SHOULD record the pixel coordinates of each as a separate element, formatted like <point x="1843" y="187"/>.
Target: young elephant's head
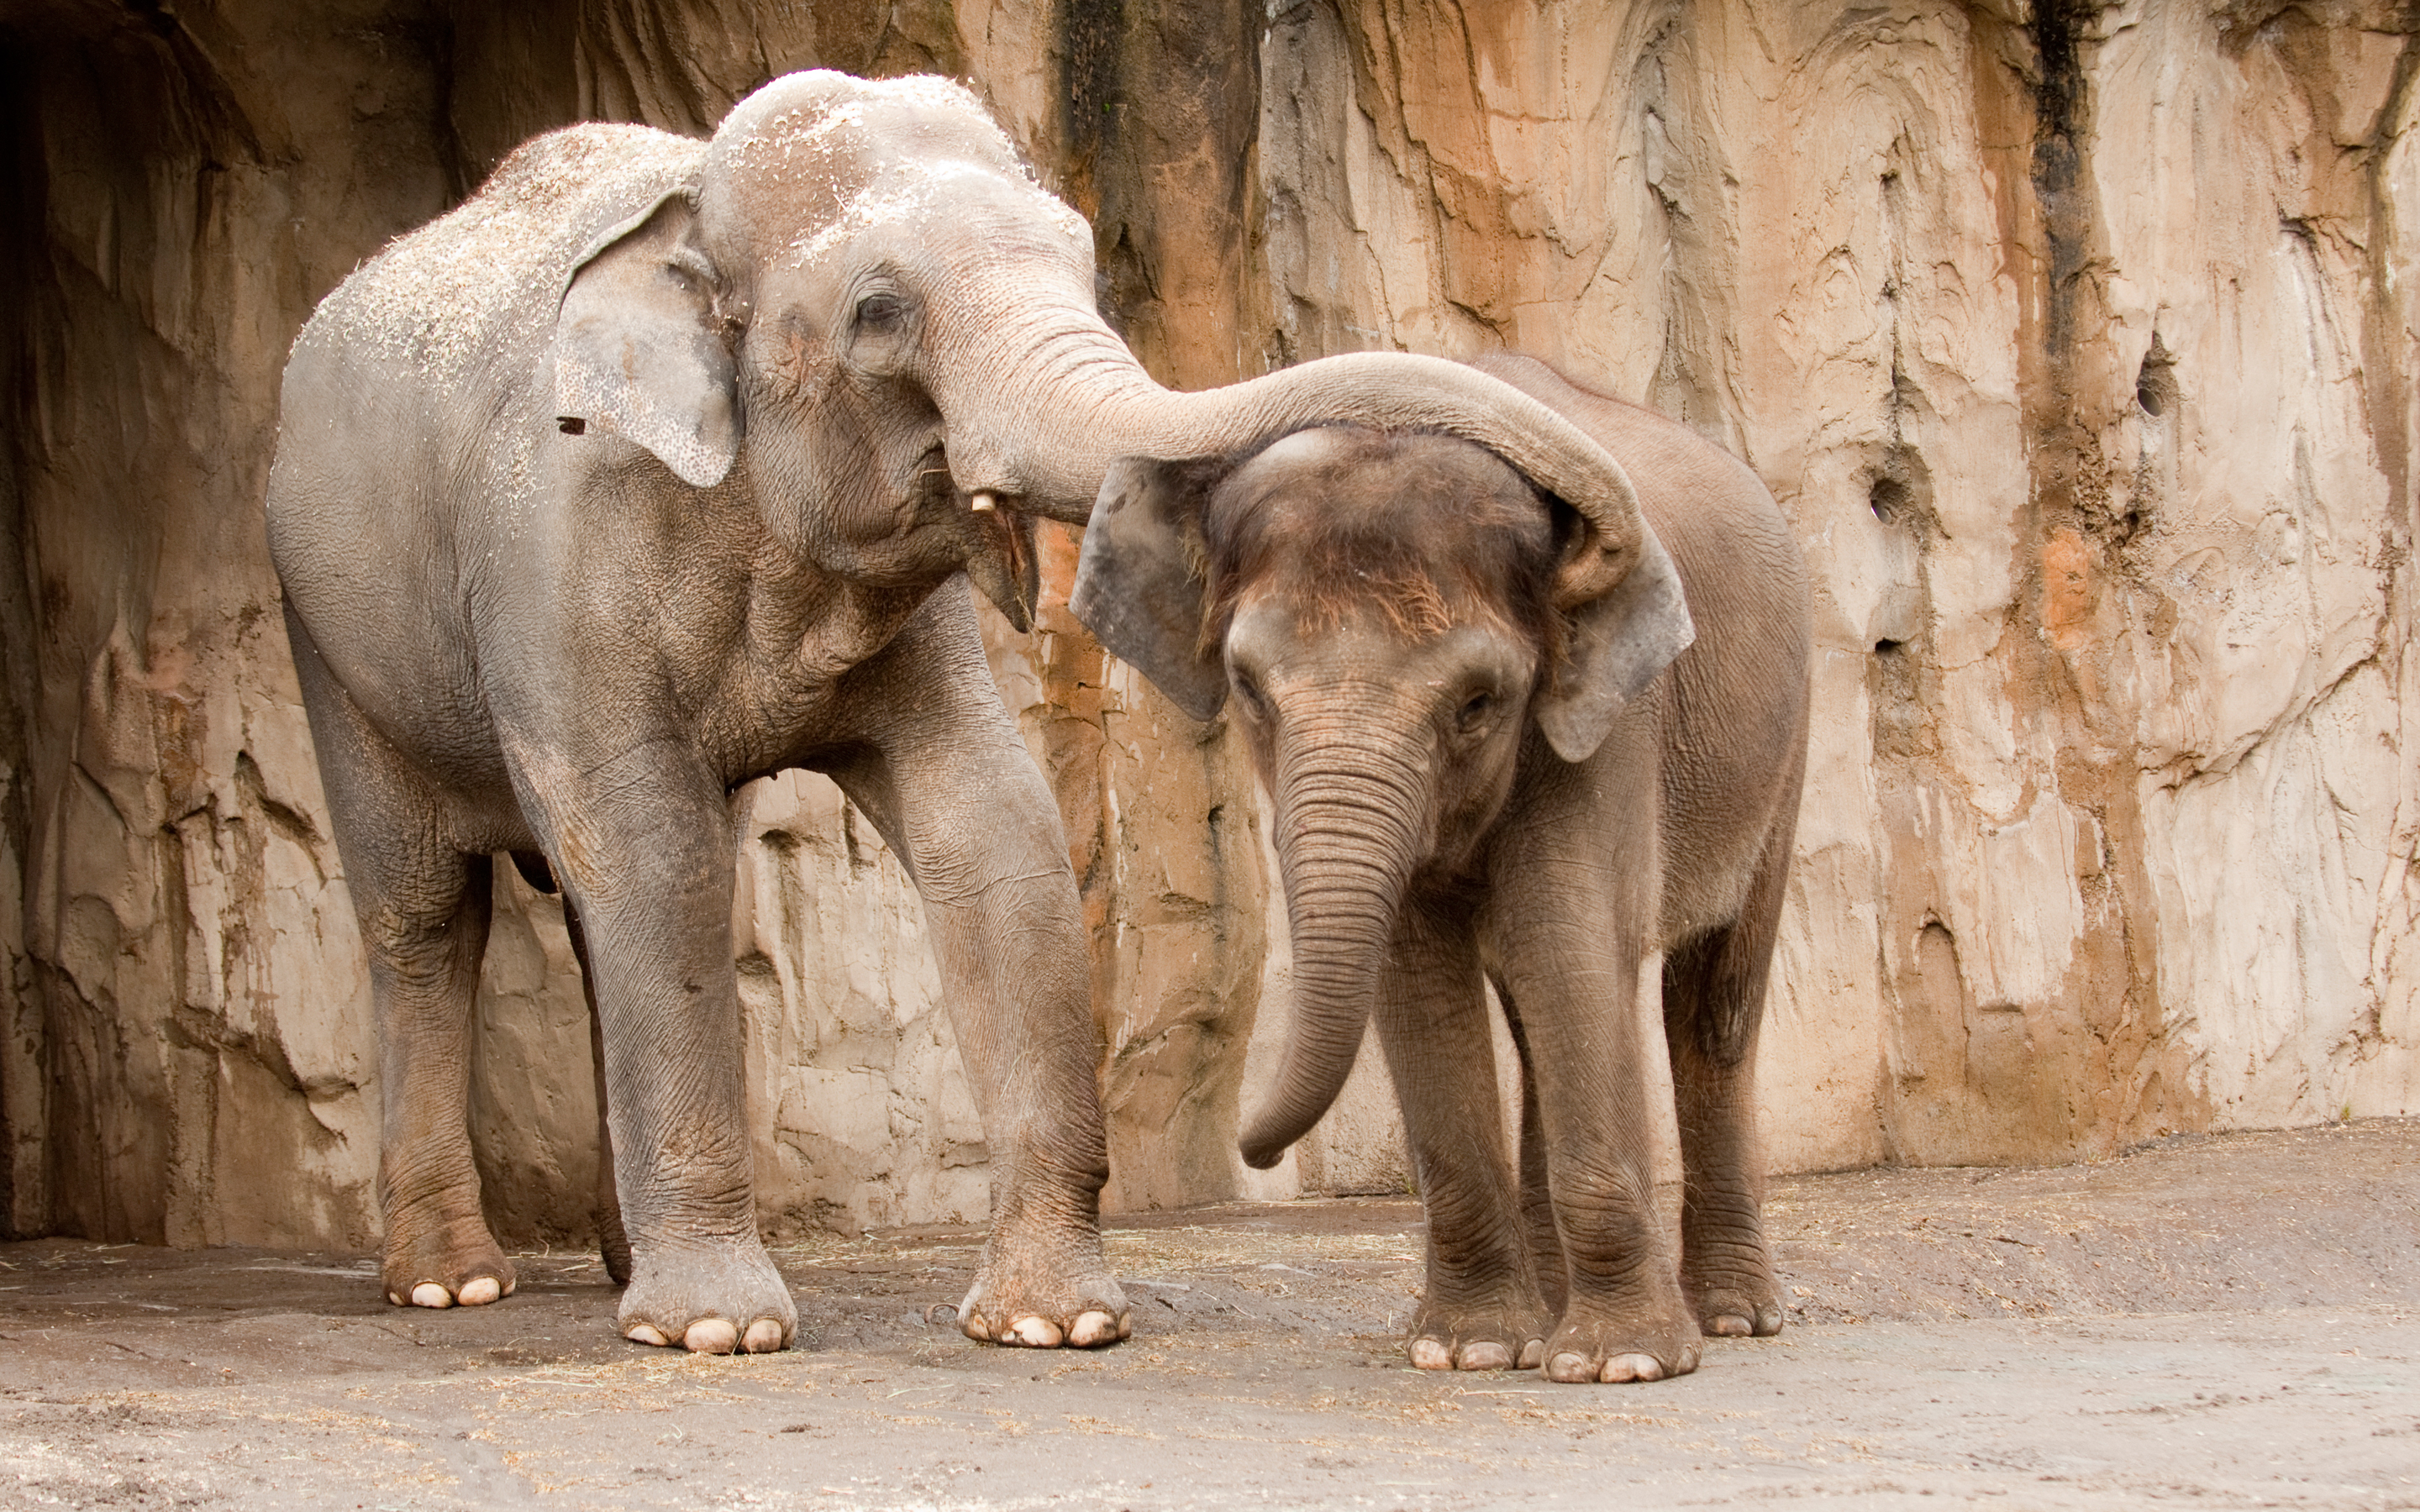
<point x="1389" y="614"/>
<point x="862" y="283"/>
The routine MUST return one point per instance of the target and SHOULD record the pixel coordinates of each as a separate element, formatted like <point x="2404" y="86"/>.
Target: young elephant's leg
<point x="1480" y="1308"/>
<point x="953" y="791"/>
<point x="1537" y="1195"/>
<point x="1571" y="954"/>
<point x="1714" y="1006"/>
<point x="423" y="907"/>
<point x="644" y="847"/>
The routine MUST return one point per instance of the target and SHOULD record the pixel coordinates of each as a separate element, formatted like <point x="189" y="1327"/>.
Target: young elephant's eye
<point x="880" y="312"/>
<point x="1474" y="712"/>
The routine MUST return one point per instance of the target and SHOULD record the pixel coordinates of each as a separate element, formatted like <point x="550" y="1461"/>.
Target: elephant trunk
<point x="1347" y="840"/>
<point x="1058" y="397"/>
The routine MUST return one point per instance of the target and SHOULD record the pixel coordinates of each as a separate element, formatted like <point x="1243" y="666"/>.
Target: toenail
<point x="1532" y="1353"/>
<point x="1486" y="1356"/>
<point x="1093" y="1328"/>
<point x="480" y="1292"/>
<point x="429" y="1294"/>
<point x="1569" y="1367"/>
<point x="396" y="1296"/>
<point x="1431" y="1354"/>
<point x="1035" y="1333"/>
<point x="711" y="1336"/>
<point x="763" y="1336"/>
<point x="1731" y="1326"/>
<point x="645" y="1333"/>
<point x="1633" y="1367"/>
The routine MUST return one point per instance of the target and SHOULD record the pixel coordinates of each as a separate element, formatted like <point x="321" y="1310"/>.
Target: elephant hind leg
<point x="425" y="973"/>
<point x="1713" y="1008"/>
<point x="423" y="906"/>
<point x="612" y="1240"/>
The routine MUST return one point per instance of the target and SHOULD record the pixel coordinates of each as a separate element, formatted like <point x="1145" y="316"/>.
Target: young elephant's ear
<point x="1619" y="641"/>
<point x="636" y="349"/>
<point x="1138" y="584"/>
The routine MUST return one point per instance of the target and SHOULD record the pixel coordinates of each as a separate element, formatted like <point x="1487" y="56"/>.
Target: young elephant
<point x="652" y="470"/>
<point x="1491" y="754"/>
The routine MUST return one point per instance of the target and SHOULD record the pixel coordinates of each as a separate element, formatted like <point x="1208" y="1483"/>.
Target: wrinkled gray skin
<point x="1487" y="763"/>
<point x="648" y="471"/>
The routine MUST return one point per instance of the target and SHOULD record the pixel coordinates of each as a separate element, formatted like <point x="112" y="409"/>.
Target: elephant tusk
<point x="982" y="500"/>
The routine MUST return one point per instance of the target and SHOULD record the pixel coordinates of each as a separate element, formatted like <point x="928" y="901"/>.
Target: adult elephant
<point x="647" y="472"/>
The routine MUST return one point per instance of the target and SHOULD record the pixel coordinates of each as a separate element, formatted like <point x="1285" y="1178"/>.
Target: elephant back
<point x="477" y="287"/>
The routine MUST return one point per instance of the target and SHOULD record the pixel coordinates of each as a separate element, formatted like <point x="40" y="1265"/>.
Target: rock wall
<point x="2071" y="338"/>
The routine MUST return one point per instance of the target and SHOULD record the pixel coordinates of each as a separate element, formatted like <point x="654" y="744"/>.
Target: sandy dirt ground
<point x="2229" y="1322"/>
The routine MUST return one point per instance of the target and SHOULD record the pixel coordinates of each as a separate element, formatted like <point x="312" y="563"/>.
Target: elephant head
<point x="862" y="301"/>
<point x="1392" y="614"/>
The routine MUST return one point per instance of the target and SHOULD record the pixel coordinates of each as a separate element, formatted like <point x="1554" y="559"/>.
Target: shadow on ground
<point x="2228" y="1321"/>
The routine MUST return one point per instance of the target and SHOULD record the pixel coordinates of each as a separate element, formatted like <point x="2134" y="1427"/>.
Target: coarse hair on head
<point x="1423" y="530"/>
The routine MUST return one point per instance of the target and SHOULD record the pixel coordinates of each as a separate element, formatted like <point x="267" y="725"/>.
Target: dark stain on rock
<point x="2062" y="120"/>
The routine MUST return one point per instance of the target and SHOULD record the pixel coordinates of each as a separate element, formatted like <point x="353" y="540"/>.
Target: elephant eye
<point x="877" y="312"/>
<point x="1474" y="712"/>
<point x="1248" y="694"/>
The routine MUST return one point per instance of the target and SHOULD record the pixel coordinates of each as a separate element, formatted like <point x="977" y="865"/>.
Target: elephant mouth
<point x="1002" y="560"/>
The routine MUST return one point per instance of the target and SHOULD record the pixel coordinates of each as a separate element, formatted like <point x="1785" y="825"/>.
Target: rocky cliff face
<point x="2073" y="338"/>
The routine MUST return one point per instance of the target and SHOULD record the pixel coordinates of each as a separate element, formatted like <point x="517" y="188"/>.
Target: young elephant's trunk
<point x="1347" y="841"/>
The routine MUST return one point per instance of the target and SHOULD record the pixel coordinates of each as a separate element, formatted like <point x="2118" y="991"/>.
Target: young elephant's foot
<point x="444" y="1263"/>
<point x="1498" y="1335"/>
<point x="1628" y="1343"/>
<point x="709" y="1300"/>
<point x="1045" y="1291"/>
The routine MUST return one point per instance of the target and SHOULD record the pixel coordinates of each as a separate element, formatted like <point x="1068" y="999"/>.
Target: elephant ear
<point x="1619" y="639"/>
<point x="636" y="349"/>
<point x="1138" y="585"/>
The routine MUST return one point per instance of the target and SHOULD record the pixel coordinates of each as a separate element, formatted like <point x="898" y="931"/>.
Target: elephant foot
<point x="446" y="1263"/>
<point x="708" y="1300"/>
<point x="1503" y="1335"/>
<point x="1641" y="1344"/>
<point x="1044" y="1292"/>
<point x="1735" y="1301"/>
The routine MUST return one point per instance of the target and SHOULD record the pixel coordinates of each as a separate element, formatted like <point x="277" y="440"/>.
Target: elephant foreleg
<point x="980" y="832"/>
<point x="643" y="846"/>
<point x="1480" y="1308"/>
<point x="1574" y="968"/>
<point x="1537" y="1195"/>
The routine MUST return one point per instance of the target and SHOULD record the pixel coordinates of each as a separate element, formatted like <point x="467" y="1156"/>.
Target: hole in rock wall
<point x="1899" y="495"/>
<point x="2155" y="382"/>
<point x="1888" y="500"/>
